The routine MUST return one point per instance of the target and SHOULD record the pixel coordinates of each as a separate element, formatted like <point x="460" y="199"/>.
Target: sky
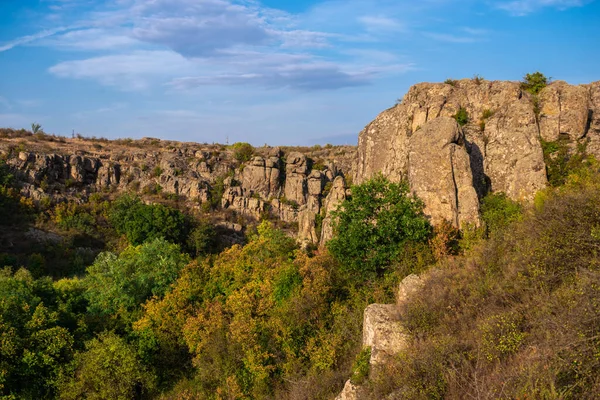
<point x="267" y="72"/>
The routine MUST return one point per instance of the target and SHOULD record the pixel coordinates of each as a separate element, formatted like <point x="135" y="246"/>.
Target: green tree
<point x="117" y="286"/>
<point x="534" y="83"/>
<point x="34" y="347"/>
<point x="242" y="151"/>
<point x="109" y="369"/>
<point x="140" y="222"/>
<point x="372" y="226"/>
<point x="202" y="239"/>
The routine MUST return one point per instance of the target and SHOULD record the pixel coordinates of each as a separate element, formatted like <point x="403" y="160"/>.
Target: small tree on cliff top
<point x="373" y="225"/>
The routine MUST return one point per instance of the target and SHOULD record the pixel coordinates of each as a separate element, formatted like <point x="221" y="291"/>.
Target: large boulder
<point x="262" y="176"/>
<point x="439" y="173"/>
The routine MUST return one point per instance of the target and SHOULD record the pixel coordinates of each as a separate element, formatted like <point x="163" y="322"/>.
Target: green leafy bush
<point x="451" y="82"/>
<point x="109" y="368"/>
<point x="561" y="160"/>
<point x="462" y="116"/>
<point x="534" y="83"/>
<point x="118" y="285"/>
<point x="140" y="222"/>
<point x="498" y="212"/>
<point x="242" y="151"/>
<point x="374" y="224"/>
<point x="502" y="335"/>
<point x="361" y="367"/>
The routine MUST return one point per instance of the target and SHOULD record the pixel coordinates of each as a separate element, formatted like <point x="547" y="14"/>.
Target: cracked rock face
<point x="384" y="334"/>
<point x="502" y="139"/>
<point x="514" y="161"/>
<point x="439" y="173"/>
<point x="564" y="110"/>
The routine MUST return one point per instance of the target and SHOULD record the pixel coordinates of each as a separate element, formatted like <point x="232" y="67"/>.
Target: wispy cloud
<point x="32" y="38"/>
<point x="381" y="23"/>
<point x="524" y="7"/>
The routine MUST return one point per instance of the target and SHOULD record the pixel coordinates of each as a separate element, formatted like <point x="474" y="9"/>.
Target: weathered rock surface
<point x="336" y="196"/>
<point x="284" y="185"/>
<point x="564" y="110"/>
<point x="514" y="161"/>
<point x="383" y="333"/>
<point x="439" y="173"/>
<point x="501" y="137"/>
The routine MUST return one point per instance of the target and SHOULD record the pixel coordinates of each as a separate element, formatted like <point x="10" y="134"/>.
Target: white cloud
<point x="31" y="38"/>
<point x="524" y="7"/>
<point x="133" y="71"/>
<point x="92" y="39"/>
<point x="381" y="23"/>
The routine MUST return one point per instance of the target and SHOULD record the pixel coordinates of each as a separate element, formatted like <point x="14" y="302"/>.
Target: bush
<point x="561" y="161"/>
<point x="461" y="116"/>
<point x="140" y="222"/>
<point x="451" y="82"/>
<point x="534" y="83"/>
<point x="118" y="285"/>
<point x="242" y="151"/>
<point x="361" y="367"/>
<point x="373" y="225"/>
<point x="109" y="368"/>
<point x="498" y="211"/>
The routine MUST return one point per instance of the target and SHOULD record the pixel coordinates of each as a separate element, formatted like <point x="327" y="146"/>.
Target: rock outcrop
<point x="337" y="194"/>
<point x="439" y="172"/>
<point x="291" y="186"/>
<point x="383" y="333"/>
<point x="497" y="147"/>
<point x="503" y="135"/>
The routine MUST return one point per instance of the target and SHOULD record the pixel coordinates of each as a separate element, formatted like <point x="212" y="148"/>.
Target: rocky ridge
<point x="450" y="166"/>
<point x="499" y="147"/>
<point x="292" y="185"/>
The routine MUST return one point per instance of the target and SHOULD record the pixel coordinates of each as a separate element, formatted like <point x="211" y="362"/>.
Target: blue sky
<point x="277" y="72"/>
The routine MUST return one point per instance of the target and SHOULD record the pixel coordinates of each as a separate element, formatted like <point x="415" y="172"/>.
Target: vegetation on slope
<point x="509" y="311"/>
<point x="518" y="318"/>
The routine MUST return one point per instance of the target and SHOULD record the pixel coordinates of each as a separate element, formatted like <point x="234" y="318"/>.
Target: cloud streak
<point x="525" y="7"/>
<point x="32" y="38"/>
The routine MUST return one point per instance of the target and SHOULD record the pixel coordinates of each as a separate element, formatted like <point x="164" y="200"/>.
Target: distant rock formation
<point x="289" y="185"/>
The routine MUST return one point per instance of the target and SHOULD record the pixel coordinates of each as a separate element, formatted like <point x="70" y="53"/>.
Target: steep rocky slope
<point x="499" y="147"/>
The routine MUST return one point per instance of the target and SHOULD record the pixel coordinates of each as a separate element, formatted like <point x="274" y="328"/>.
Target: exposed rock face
<point x="262" y="176"/>
<point x="564" y="109"/>
<point x="502" y="138"/>
<point x="384" y="333"/>
<point x="514" y="161"/>
<point x="439" y="172"/>
<point x="594" y="120"/>
<point x="282" y="185"/>
<point x="336" y="196"/>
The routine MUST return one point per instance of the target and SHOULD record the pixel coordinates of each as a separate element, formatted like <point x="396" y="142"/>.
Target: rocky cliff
<point x="290" y="184"/>
<point x="498" y="147"/>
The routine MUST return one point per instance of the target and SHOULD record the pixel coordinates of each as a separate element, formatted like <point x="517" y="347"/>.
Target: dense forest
<point x="140" y="301"/>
